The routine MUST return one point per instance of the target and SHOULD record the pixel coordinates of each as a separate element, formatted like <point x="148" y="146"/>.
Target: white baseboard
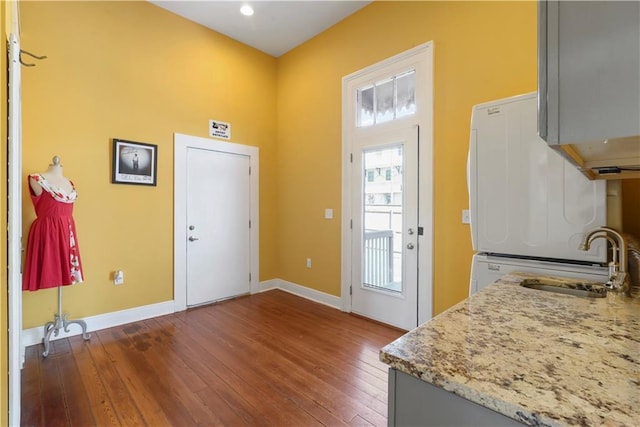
<point x="266" y="285"/>
<point x="101" y="321"/>
<point x="301" y="291"/>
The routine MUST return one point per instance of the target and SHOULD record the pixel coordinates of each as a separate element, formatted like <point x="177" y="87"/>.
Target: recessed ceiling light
<point x="246" y="10"/>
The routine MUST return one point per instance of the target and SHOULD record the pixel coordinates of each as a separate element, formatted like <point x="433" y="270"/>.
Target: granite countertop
<point x="541" y="358"/>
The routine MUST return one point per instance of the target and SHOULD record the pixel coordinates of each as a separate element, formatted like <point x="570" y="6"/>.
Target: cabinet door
<point x="589" y="70"/>
<point x="413" y="402"/>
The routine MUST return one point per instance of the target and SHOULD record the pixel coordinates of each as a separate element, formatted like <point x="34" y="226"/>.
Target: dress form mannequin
<point x="54" y="175"/>
<point x="53" y="257"/>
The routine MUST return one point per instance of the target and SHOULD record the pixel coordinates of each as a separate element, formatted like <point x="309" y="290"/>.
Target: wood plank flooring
<point x="271" y="359"/>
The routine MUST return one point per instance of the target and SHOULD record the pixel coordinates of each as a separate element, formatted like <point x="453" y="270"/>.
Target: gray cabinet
<point x="413" y="402"/>
<point x="589" y="70"/>
<point x="589" y="84"/>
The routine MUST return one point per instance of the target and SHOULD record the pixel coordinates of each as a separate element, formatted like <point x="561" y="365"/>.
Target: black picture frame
<point x="134" y="163"/>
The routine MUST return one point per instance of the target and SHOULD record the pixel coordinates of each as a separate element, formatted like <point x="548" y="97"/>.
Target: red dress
<point x="53" y="257"/>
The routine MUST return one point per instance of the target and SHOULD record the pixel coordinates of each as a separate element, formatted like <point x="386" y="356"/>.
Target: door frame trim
<point x="181" y="144"/>
<point x="15" y="348"/>
<point x="422" y="57"/>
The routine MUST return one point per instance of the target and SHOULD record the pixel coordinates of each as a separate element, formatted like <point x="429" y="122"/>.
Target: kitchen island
<point x="510" y="353"/>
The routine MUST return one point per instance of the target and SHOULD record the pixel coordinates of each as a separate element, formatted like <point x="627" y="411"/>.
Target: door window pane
<point x="384" y="102"/>
<point x="406" y="94"/>
<point x="382" y="220"/>
<point x="365" y="106"/>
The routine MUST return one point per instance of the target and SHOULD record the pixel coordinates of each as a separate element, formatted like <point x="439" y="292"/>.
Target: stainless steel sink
<point x="579" y="289"/>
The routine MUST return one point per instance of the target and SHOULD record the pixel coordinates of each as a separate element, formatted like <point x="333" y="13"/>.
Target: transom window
<point x="387" y="100"/>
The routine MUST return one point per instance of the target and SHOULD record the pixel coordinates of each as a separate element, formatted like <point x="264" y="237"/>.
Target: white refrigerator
<point x="529" y="208"/>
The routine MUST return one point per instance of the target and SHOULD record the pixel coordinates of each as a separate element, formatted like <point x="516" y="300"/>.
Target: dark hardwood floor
<point x="267" y="359"/>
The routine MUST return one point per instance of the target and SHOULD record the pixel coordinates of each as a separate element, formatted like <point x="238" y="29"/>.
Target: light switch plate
<point x="328" y="214"/>
<point x="466" y="216"/>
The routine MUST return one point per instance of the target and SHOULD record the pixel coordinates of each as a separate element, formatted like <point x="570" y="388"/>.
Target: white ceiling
<point x="276" y="26"/>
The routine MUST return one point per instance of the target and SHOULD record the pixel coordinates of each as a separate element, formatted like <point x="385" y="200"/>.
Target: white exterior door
<point x="216" y="220"/>
<point x="385" y="227"/>
<point x="387" y="230"/>
<point x="218" y="200"/>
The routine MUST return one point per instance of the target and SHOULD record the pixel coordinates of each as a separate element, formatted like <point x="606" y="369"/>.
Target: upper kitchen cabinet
<point x="589" y="84"/>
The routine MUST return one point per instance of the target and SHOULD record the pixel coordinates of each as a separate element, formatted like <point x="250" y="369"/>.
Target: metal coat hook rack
<point x="31" y="55"/>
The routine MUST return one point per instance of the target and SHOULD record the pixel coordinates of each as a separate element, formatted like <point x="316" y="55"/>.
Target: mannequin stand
<point x="61" y="322"/>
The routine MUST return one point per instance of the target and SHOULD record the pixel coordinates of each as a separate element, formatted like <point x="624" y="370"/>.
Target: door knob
<point x="193" y="239"/>
<point x="409" y="245"/>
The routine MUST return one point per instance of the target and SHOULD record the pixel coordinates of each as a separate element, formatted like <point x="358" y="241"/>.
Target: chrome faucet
<point x="618" y="277"/>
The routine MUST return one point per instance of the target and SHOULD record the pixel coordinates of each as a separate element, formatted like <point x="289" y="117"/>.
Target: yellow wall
<point x="134" y="71"/>
<point x="483" y="51"/>
<point x="4" y="324"/>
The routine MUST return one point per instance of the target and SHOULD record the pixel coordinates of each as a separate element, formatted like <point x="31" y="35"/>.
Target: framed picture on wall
<point x="134" y="163"/>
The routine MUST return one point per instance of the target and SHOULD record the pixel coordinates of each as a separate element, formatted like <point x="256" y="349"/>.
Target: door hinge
<point x="249" y="170"/>
<point x="351" y="157"/>
<point x="249" y="277"/>
<point x="249" y="223"/>
<point x="350" y="290"/>
<point x="351" y="224"/>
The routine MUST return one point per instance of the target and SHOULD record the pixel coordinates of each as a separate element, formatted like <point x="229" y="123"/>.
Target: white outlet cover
<point x="118" y="277"/>
<point x="328" y="214"/>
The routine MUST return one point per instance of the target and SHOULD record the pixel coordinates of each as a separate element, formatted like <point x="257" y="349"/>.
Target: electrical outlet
<point x="328" y="214"/>
<point x="118" y="277"/>
<point x="308" y="262"/>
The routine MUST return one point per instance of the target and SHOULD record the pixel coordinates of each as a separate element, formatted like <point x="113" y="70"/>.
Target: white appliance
<point x="530" y="208"/>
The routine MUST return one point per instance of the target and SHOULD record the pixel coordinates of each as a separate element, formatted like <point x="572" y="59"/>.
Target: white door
<point x="385" y="227"/>
<point x="215" y="183"/>
<point x="387" y="112"/>
<point x="218" y="225"/>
